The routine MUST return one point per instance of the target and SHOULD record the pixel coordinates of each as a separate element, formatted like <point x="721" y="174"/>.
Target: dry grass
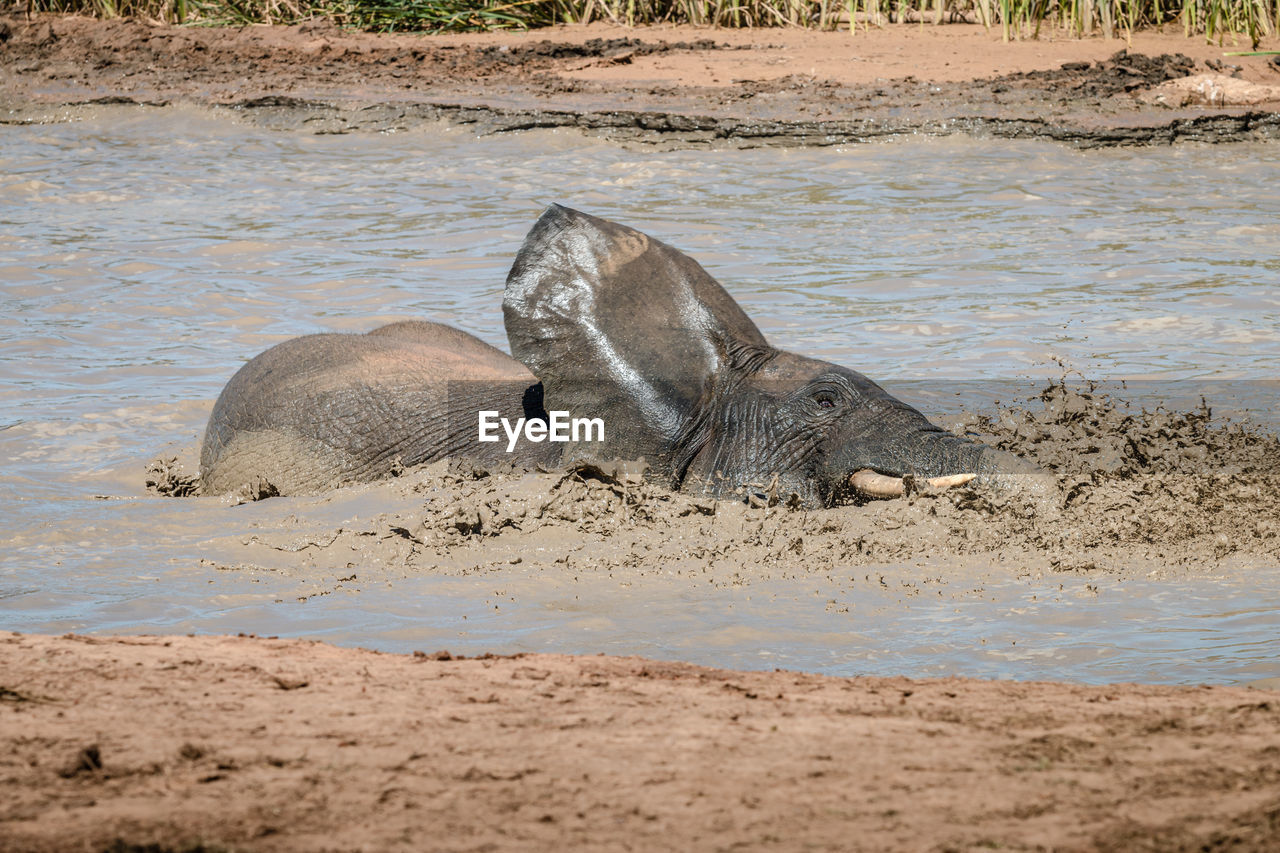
<point x="1254" y="19"/>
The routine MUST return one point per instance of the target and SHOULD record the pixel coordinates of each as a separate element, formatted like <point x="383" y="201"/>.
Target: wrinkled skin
<point x="603" y="322"/>
<point x="315" y="412"/>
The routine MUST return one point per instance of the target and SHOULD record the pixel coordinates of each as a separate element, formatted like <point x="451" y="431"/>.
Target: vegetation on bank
<point x="1253" y="19"/>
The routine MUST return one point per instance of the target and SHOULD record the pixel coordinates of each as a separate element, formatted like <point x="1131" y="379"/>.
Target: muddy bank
<point x="222" y="743"/>
<point x="670" y="86"/>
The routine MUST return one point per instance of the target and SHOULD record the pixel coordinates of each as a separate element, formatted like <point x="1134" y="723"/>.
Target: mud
<point x="674" y="87"/>
<point x="1141" y="492"/>
<point x="1123" y="72"/>
<point x="224" y="743"/>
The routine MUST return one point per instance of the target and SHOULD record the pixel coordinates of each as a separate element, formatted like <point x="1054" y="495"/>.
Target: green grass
<point x="1251" y="19"/>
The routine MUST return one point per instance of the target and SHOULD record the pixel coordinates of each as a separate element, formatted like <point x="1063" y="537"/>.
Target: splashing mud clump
<point x="467" y="500"/>
<point x="1165" y="485"/>
<point x="167" y="477"/>
<point x="1141" y="491"/>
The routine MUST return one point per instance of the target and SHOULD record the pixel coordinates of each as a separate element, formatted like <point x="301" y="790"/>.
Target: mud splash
<point x="1141" y="487"/>
<point x="1142" y="491"/>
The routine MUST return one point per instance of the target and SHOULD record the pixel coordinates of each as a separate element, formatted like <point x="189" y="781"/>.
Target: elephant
<point x="605" y="324"/>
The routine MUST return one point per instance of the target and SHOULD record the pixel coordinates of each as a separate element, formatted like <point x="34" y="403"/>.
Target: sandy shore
<point x="674" y="86"/>
<point x="222" y="743"/>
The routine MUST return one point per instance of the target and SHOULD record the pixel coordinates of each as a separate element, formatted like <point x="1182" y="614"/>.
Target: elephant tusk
<point x="872" y="485"/>
<point x="950" y="480"/>
<point x="869" y="484"/>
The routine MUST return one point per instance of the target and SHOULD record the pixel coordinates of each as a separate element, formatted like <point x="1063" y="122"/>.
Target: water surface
<point x="146" y="254"/>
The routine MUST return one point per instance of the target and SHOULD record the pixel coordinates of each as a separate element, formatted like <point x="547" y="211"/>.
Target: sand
<point x="224" y="743"/>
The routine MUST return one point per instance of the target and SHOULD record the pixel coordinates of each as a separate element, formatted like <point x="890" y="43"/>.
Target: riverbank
<point x="666" y="85"/>
<point x="224" y="743"/>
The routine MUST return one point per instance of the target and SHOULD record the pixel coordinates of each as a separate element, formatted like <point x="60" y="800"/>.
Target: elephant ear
<point x="623" y="327"/>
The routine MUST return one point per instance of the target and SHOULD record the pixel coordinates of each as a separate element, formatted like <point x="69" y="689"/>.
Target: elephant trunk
<point x="1013" y="482"/>
<point x="937" y="460"/>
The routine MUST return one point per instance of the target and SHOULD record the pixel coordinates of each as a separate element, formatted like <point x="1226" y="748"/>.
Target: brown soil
<point x="677" y="86"/>
<point x="220" y="743"/>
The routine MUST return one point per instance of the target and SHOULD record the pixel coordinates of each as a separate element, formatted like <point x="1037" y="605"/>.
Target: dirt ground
<point x="223" y="743"/>
<point x="219" y="743"/>
<point x="673" y="86"/>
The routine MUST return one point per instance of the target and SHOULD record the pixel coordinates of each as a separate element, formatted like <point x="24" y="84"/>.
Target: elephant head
<point x="621" y="326"/>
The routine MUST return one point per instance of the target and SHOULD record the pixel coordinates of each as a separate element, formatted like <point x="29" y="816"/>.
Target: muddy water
<point x="145" y="254"/>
